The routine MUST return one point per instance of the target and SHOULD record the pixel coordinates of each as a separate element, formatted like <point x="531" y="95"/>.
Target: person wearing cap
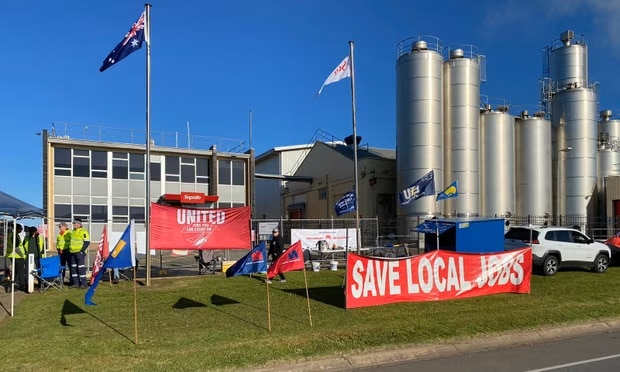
<point x="19" y="254"/>
<point x="63" y="241"/>
<point x="275" y="250"/>
<point x="80" y="240"/>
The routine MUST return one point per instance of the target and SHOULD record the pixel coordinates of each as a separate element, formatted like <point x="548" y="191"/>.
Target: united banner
<point x="437" y="275"/>
<point x="186" y="228"/>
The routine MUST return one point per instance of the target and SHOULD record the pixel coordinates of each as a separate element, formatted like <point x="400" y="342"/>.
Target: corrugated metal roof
<point x="364" y="152"/>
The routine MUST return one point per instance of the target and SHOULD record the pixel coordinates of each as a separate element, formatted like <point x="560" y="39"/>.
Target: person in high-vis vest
<point x="80" y="240"/>
<point x="17" y="251"/>
<point x="63" y="241"/>
<point x="33" y="244"/>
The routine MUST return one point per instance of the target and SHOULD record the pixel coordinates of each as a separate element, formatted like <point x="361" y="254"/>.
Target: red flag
<point x="291" y="259"/>
<point x="102" y="254"/>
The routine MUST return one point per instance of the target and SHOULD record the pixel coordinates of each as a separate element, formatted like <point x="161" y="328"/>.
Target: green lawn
<point x="211" y="322"/>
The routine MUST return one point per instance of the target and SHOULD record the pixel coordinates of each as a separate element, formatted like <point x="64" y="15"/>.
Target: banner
<point x="437" y="275"/>
<point x="310" y="238"/>
<point x="186" y="228"/>
<point x="424" y="186"/>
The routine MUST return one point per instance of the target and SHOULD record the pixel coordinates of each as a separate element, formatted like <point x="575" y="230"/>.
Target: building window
<point x="202" y="170"/>
<point x="80" y="209"/>
<point x="187" y="173"/>
<point x="172" y="165"/>
<point x="136" y="163"/>
<point x="136" y="213"/>
<point x="223" y="171"/>
<point x="238" y="205"/>
<point x="238" y="172"/>
<point x="323" y="193"/>
<point x="62" y="162"/>
<point x="155" y="171"/>
<point x="62" y="212"/>
<point x="99" y="164"/>
<point x="62" y="158"/>
<point x="81" y="167"/>
<point x="120" y="166"/>
<point x="120" y="214"/>
<point x="99" y="213"/>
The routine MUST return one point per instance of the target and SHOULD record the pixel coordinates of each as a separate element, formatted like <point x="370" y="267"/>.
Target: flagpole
<point x="357" y="196"/>
<point x="135" y="305"/>
<point x="307" y="297"/>
<point x="147" y="170"/>
<point x="268" y="309"/>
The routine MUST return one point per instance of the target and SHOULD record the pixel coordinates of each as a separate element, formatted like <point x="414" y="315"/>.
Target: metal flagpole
<point x="357" y="196"/>
<point x="147" y="217"/>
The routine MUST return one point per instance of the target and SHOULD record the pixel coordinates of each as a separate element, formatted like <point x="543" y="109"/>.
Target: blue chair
<point x="49" y="273"/>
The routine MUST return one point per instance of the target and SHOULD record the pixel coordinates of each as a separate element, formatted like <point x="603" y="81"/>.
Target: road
<point x="600" y="352"/>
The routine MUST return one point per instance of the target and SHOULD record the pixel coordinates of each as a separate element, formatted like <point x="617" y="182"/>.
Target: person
<point x="275" y="250"/>
<point x="63" y="241"/>
<point x="33" y="244"/>
<point x="17" y="251"/>
<point x="78" y="245"/>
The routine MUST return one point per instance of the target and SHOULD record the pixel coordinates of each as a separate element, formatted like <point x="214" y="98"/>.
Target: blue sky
<point x="212" y="61"/>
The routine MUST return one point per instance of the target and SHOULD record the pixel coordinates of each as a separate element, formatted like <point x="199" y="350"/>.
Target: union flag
<point x="291" y="259"/>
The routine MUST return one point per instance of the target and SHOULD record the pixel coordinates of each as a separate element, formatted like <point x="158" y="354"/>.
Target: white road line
<point x="575" y="363"/>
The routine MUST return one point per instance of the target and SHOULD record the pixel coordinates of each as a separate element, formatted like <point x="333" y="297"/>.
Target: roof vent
<point x="605" y="114"/>
<point x="349" y="140"/>
<point x="525" y="114"/>
<point x="567" y="36"/>
<point x="419" y="45"/>
<point x="456" y="53"/>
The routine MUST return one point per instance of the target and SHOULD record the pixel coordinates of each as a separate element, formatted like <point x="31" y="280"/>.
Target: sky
<point x="214" y="61"/>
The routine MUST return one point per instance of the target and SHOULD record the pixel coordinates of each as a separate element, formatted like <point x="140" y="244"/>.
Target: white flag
<point x="342" y="71"/>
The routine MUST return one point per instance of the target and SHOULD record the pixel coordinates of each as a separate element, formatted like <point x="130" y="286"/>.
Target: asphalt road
<point x="600" y="352"/>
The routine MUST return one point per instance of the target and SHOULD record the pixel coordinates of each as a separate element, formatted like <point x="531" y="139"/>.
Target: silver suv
<point x="555" y="247"/>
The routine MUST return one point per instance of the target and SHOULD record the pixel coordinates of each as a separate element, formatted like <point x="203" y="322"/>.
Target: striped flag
<point x="102" y="254"/>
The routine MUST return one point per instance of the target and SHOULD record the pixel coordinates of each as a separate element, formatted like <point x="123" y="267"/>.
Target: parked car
<point x="555" y="247"/>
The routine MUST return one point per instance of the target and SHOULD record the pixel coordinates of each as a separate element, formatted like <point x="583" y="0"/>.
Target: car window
<point x="559" y="236"/>
<point x="521" y="233"/>
<point x="579" y="238"/>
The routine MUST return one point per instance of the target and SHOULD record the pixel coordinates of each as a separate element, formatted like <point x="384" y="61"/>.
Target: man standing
<point x="275" y="250"/>
<point x="17" y="251"/>
<point x="63" y="241"/>
<point x="80" y="240"/>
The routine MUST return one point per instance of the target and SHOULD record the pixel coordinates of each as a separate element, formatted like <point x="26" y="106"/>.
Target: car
<point x="560" y="247"/>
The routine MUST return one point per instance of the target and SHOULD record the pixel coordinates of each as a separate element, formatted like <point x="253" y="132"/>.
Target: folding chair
<point x="49" y="274"/>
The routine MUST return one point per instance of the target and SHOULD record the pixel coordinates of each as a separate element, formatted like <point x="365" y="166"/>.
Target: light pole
<point x="560" y="166"/>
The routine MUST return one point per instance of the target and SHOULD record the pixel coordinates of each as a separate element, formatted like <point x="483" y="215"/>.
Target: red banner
<point x="186" y="228"/>
<point x="437" y="275"/>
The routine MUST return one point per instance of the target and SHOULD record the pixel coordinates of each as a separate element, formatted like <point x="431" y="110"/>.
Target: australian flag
<point x="253" y="262"/>
<point x="425" y="186"/>
<point x="132" y="42"/>
<point x="345" y="204"/>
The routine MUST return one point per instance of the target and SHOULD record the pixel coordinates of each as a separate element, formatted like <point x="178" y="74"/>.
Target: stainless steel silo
<point x="573" y="117"/>
<point x="419" y="120"/>
<point x="567" y="61"/>
<point x="461" y="130"/>
<point x="608" y="156"/>
<point x="497" y="162"/>
<point x="533" y="165"/>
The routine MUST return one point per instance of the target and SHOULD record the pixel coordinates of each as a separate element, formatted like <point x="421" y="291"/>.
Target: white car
<point x="555" y="247"/>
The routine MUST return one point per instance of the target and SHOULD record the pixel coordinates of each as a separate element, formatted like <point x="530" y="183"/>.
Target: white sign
<point x="334" y="238"/>
<point x="266" y="228"/>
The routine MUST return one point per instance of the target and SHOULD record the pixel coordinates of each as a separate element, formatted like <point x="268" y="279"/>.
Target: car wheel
<point x="601" y="263"/>
<point x="550" y="265"/>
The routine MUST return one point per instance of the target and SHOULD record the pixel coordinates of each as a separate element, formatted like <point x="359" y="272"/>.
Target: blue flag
<point x="345" y="204"/>
<point x="425" y="186"/>
<point x="450" y="191"/>
<point x="254" y="261"/>
<point x="130" y="43"/>
<point x="121" y="256"/>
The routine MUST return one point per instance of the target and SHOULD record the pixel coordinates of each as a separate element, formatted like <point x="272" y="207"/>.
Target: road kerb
<point x="494" y="342"/>
<point x="400" y="355"/>
<point x="572" y="330"/>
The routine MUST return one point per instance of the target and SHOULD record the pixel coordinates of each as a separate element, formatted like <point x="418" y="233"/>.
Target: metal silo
<point x="497" y="162"/>
<point x="419" y="118"/>
<point x="462" y="80"/>
<point x="608" y="156"/>
<point x="533" y="165"/>
<point x="567" y="60"/>
<point x="573" y="117"/>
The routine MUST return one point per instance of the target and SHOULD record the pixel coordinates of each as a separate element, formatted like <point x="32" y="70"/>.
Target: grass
<point x="211" y="322"/>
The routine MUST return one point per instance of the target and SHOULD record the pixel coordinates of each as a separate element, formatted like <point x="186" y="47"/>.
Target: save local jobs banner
<point x="437" y="275"/>
<point x="187" y="228"/>
<point x="310" y="237"/>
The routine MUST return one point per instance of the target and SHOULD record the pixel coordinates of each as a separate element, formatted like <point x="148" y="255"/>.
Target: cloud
<point x="604" y="15"/>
